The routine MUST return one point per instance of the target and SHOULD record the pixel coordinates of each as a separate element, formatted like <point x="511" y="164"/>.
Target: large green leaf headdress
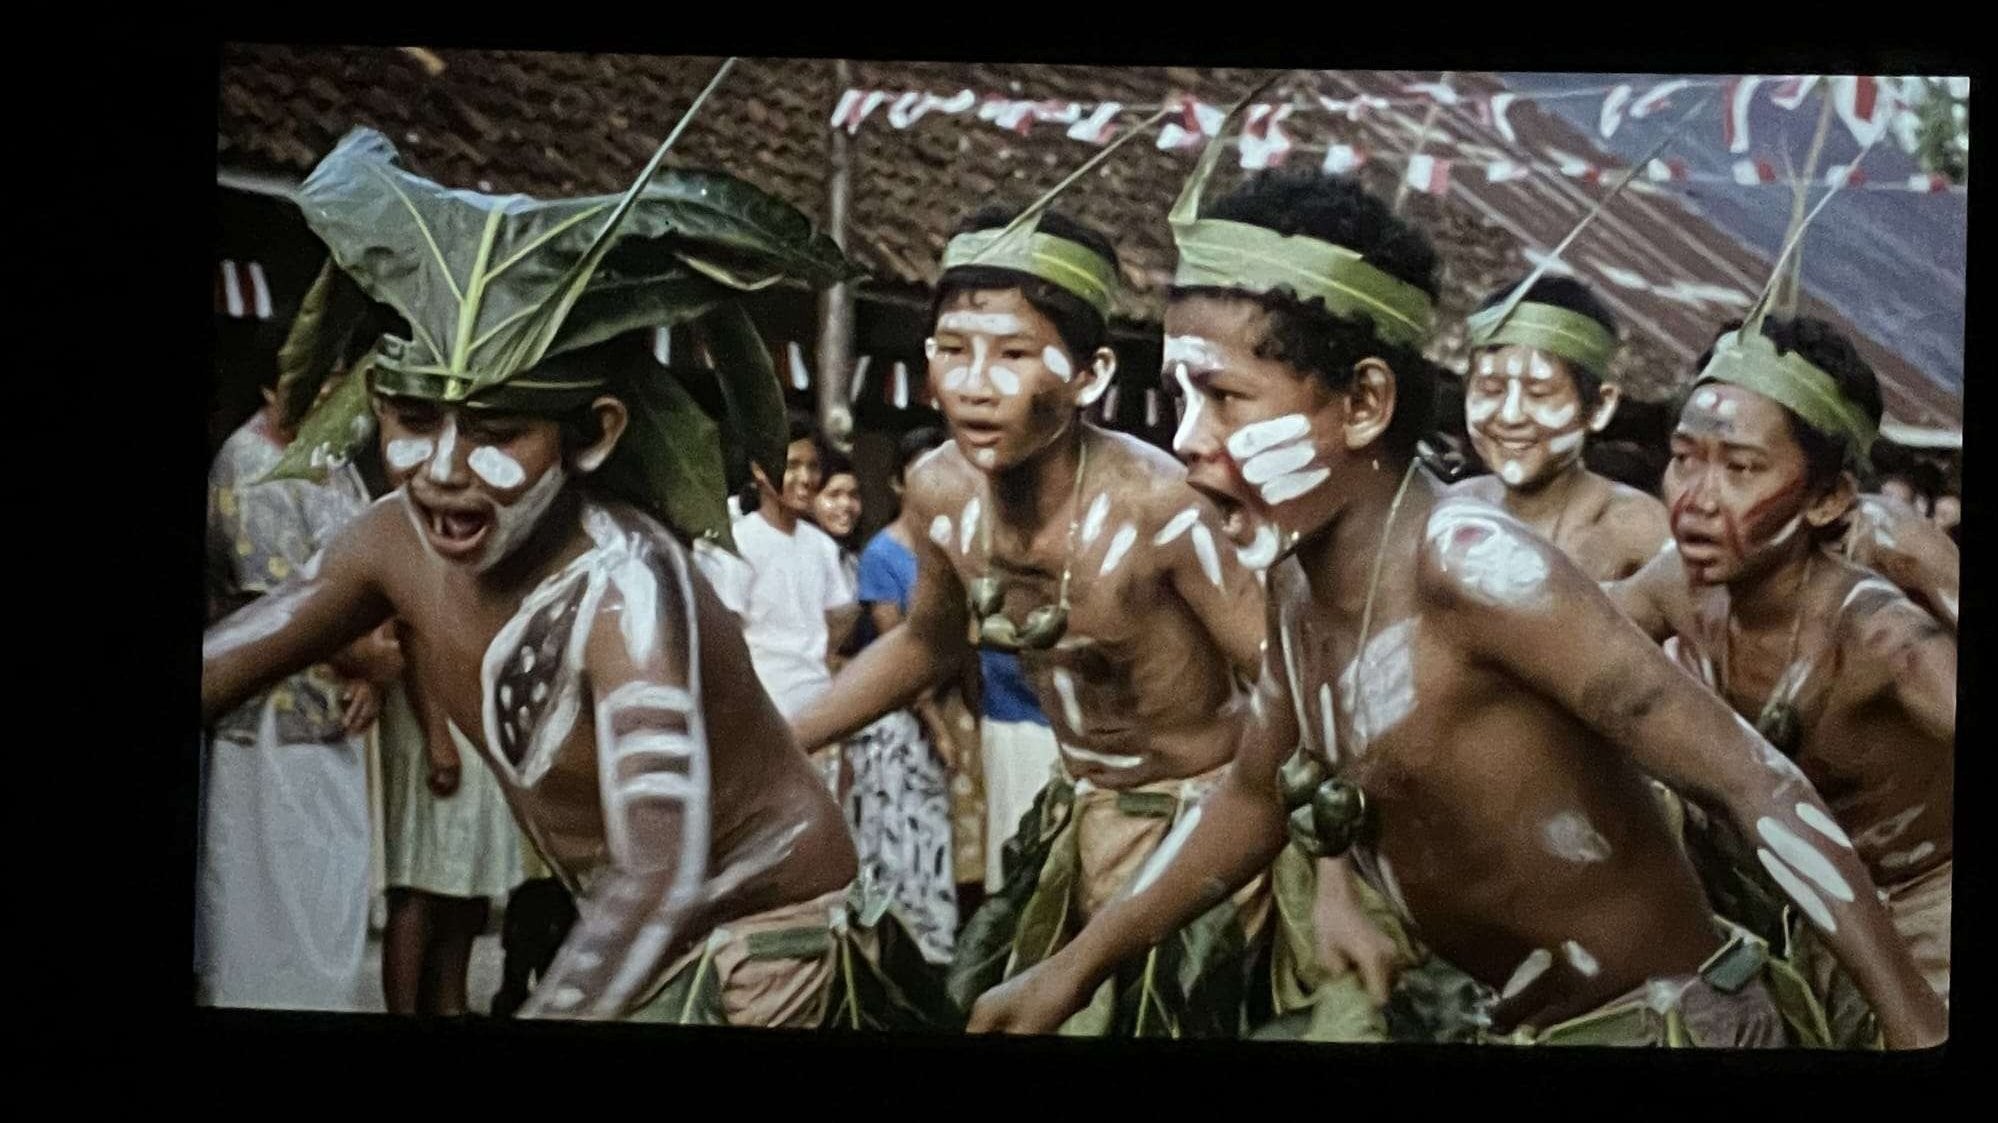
<point x="1748" y="358"/>
<point x="1219" y="253"/>
<point x="497" y="290"/>
<point x="1547" y="327"/>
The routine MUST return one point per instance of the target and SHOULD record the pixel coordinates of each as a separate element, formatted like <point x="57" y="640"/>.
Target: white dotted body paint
<point x="1176" y="526"/>
<point x="1498" y="565"/>
<point x="1515" y="364"/>
<point x="1823" y="824"/>
<point x="1071" y="707"/>
<point x="1120" y="544"/>
<point x="1571" y="837"/>
<point x="967" y="525"/>
<point x="1907" y="857"/>
<point x="1328" y="723"/>
<point x="1378" y="686"/>
<point x="1056" y="360"/>
<point x="1813" y="905"/>
<point x="1092" y="524"/>
<point x="1106" y="760"/>
<point x="1727" y="408"/>
<point x="447" y="448"/>
<point x="940" y="530"/>
<point x="1707" y="398"/>
<point x="1163" y="856"/>
<point x="1261" y="552"/>
<point x="1203" y="548"/>
<point x="496" y="467"/>
<point x="985" y="457"/>
<point x="1532" y="967"/>
<point x="1580" y="959"/>
<point x="404" y="453"/>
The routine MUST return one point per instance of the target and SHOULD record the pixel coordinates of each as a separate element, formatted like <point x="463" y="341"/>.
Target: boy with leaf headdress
<point x="546" y="472"/>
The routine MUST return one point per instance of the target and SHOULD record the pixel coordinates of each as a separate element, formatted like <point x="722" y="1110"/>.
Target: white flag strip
<point x="1429" y="174"/>
<point x="1792" y="91"/>
<point x="1612" y="112"/>
<point x="1096" y="127"/>
<point x="853" y="390"/>
<point x="1500" y="103"/>
<point x="232" y="290"/>
<point x="1656" y="98"/>
<point x="901" y="386"/>
<point x="662" y="345"/>
<point x="1863" y="105"/>
<point x="1263" y="143"/>
<point x="1343" y="158"/>
<point x="800" y="377"/>
<point x="259" y="291"/>
<point x="1741" y="94"/>
<point x="1505" y="171"/>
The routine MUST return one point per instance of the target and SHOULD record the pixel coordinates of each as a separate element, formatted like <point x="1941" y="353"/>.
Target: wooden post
<point x="835" y="351"/>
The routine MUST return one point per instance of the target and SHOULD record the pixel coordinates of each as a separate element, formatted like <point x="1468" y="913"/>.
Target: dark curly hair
<point x="1081" y="327"/>
<point x="1828" y="349"/>
<point x="914" y="443"/>
<point x="1305" y="334"/>
<point x="1569" y="293"/>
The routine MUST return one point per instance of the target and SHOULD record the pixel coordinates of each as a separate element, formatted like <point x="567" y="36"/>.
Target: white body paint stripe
<point x="1120" y="544"/>
<point x="1176" y="526"/>
<point x="1071" y="708"/>
<point x="1286" y="488"/>
<point x="1092" y="525"/>
<point x="1269" y="465"/>
<point x="1823" y="824"/>
<point x="1532" y="967"/>
<point x="496" y="467"/>
<point x="1203" y="548"/>
<point x="1163" y="856"/>
<point x="940" y="530"/>
<point x="646" y="696"/>
<point x="1107" y="760"/>
<point x="1580" y="959"/>
<point x="1813" y="905"/>
<point x="968" y="525"/>
<point x="1807" y="859"/>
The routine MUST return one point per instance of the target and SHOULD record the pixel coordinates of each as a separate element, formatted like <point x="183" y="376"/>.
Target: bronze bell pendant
<point x="986" y="595"/>
<point x="1044" y="627"/>
<point x="1303" y="833"/>
<point x="997" y="631"/>
<point x="1339" y="813"/>
<point x="1300" y="777"/>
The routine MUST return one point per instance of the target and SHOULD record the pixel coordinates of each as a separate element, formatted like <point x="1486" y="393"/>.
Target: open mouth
<point x="1236" y="521"/>
<point x="1698" y="548"/>
<point x="456" y="532"/>
<point x="979" y="434"/>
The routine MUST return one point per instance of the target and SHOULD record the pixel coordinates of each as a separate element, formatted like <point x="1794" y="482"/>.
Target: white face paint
<point x="1571" y="837"/>
<point x="1537" y="367"/>
<point x="1277" y="457"/>
<point x="1727" y="409"/>
<point x="1789" y="528"/>
<point x="1515" y="365"/>
<point x="1823" y="824"/>
<point x="967" y="525"/>
<point x="1487" y="363"/>
<point x="981" y="323"/>
<point x="1707" y="398"/>
<point x="940" y="530"/>
<point x="1565" y="443"/>
<point x="985" y="457"/>
<point x="1176" y="526"/>
<point x="1378" y="702"/>
<point x="930" y="347"/>
<point x="1479" y="408"/>
<point x="1056" y="360"/>
<point x="1092" y="524"/>
<point x="405" y="453"/>
<point x="1261" y="551"/>
<point x="1004" y="380"/>
<point x="1532" y="967"/>
<point x="447" y="449"/>
<point x="1071" y="707"/>
<point x="1580" y="959"/>
<point x="1813" y="905"/>
<point x="1105" y="760"/>
<point x="496" y="467"/>
<point x="1188" y="424"/>
<point x="1163" y="856"/>
<point x="1511" y="472"/>
<point x="515" y="521"/>
<point x="1120" y="544"/>
<point x="1495" y="562"/>
<point x="1203" y="549"/>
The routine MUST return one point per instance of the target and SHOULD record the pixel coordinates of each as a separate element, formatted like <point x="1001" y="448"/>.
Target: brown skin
<point x="1892" y="538"/>
<point x="1878" y="706"/>
<point x="1607" y="529"/>
<point x="1528" y="699"/>
<point x="775" y="835"/>
<point x="837" y="507"/>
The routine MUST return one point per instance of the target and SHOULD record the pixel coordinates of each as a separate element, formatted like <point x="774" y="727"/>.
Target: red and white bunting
<point x="1505" y="171"/>
<point x="241" y="291"/>
<point x="1353" y="108"/>
<point x="1493" y="113"/>
<point x="1734" y="121"/>
<point x="1612" y="111"/>
<point x="1429" y="174"/>
<point x="1008" y="114"/>
<point x="1263" y="143"/>
<point x="1863" y="105"/>
<point x="1748" y="173"/>
<point x="1928" y="183"/>
<point x="1440" y="92"/>
<point x="1670" y="170"/>
<point x="1845" y="175"/>
<point x="1342" y="159"/>
<point x="1197" y="122"/>
<point x="1574" y="167"/>
<point x="1656" y="98"/>
<point x="1098" y="127"/>
<point x="854" y="107"/>
<point x="1791" y="92"/>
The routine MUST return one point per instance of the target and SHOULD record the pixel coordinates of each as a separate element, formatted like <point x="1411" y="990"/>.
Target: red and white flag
<point x="1791" y="92"/>
<point x="1863" y="105"/>
<point x="1430" y="174"/>
<point x="854" y="107"/>
<point x="1612" y="113"/>
<point x="1845" y="175"/>
<point x="1734" y="122"/>
<point x="1666" y="171"/>
<point x="1748" y="173"/>
<point x="1263" y="143"/>
<point x="901" y="386"/>
<point x="1656" y="98"/>
<point x="1341" y="159"/>
<point x="1493" y="113"/>
<point x="662" y="345"/>
<point x="854" y="387"/>
<point x="1099" y="125"/>
<point x="1505" y="171"/>
<point x="801" y="378"/>
<point x="1929" y="183"/>
<point x="1441" y="91"/>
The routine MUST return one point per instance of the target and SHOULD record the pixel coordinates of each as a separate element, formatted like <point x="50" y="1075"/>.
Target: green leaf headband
<point x="1748" y="358"/>
<point x="1237" y="255"/>
<point x="1022" y="247"/>
<point x="1547" y="327"/>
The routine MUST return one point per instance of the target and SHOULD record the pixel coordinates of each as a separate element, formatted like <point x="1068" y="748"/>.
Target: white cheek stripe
<point x="1252" y="439"/>
<point x="1283" y="489"/>
<point x="1276" y="462"/>
<point x="1056" y="360"/>
<point x="1004" y="380"/>
<point x="1191" y="421"/>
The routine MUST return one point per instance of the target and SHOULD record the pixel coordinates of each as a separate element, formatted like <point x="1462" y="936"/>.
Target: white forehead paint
<point x="1192" y="350"/>
<point x="1056" y="360"/>
<point x="967" y="525"/>
<point x="981" y="323"/>
<point x="1120" y="544"/>
<point x="1707" y="398"/>
<point x="1328" y="724"/>
<point x="1071" y="708"/>
<point x="1499" y="565"/>
<point x="496" y="467"/>
<point x="1004" y="380"/>
<point x="1203" y="548"/>
<point x="1537" y="367"/>
<point x="1261" y="550"/>
<point x="1515" y="364"/>
<point x="1189" y="423"/>
<point x="1813" y="905"/>
<point x="1107" y="760"/>
<point x="1511" y="472"/>
<point x="940" y="530"/>
<point x="1252" y="439"/>
<point x="1571" y="837"/>
<point x="407" y="452"/>
<point x="1478" y="408"/>
<point x="1386" y="695"/>
<point x="447" y="447"/>
<point x="1163" y="856"/>
<point x="1822" y="823"/>
<point x="1532" y="967"/>
<point x="1580" y="959"/>
<point x="1092" y="524"/>
<point x="1727" y="408"/>
<point x="1566" y="442"/>
<point x="1487" y="363"/>
<point x="1907" y="857"/>
<point x="1176" y="526"/>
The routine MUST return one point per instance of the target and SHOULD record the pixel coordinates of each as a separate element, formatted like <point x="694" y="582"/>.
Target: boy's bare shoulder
<point x="1473" y="553"/>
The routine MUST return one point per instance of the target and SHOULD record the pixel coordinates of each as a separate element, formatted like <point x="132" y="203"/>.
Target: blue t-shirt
<point x="888" y="575"/>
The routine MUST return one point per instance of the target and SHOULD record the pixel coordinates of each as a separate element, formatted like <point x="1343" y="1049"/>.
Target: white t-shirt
<point x="795" y="580"/>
